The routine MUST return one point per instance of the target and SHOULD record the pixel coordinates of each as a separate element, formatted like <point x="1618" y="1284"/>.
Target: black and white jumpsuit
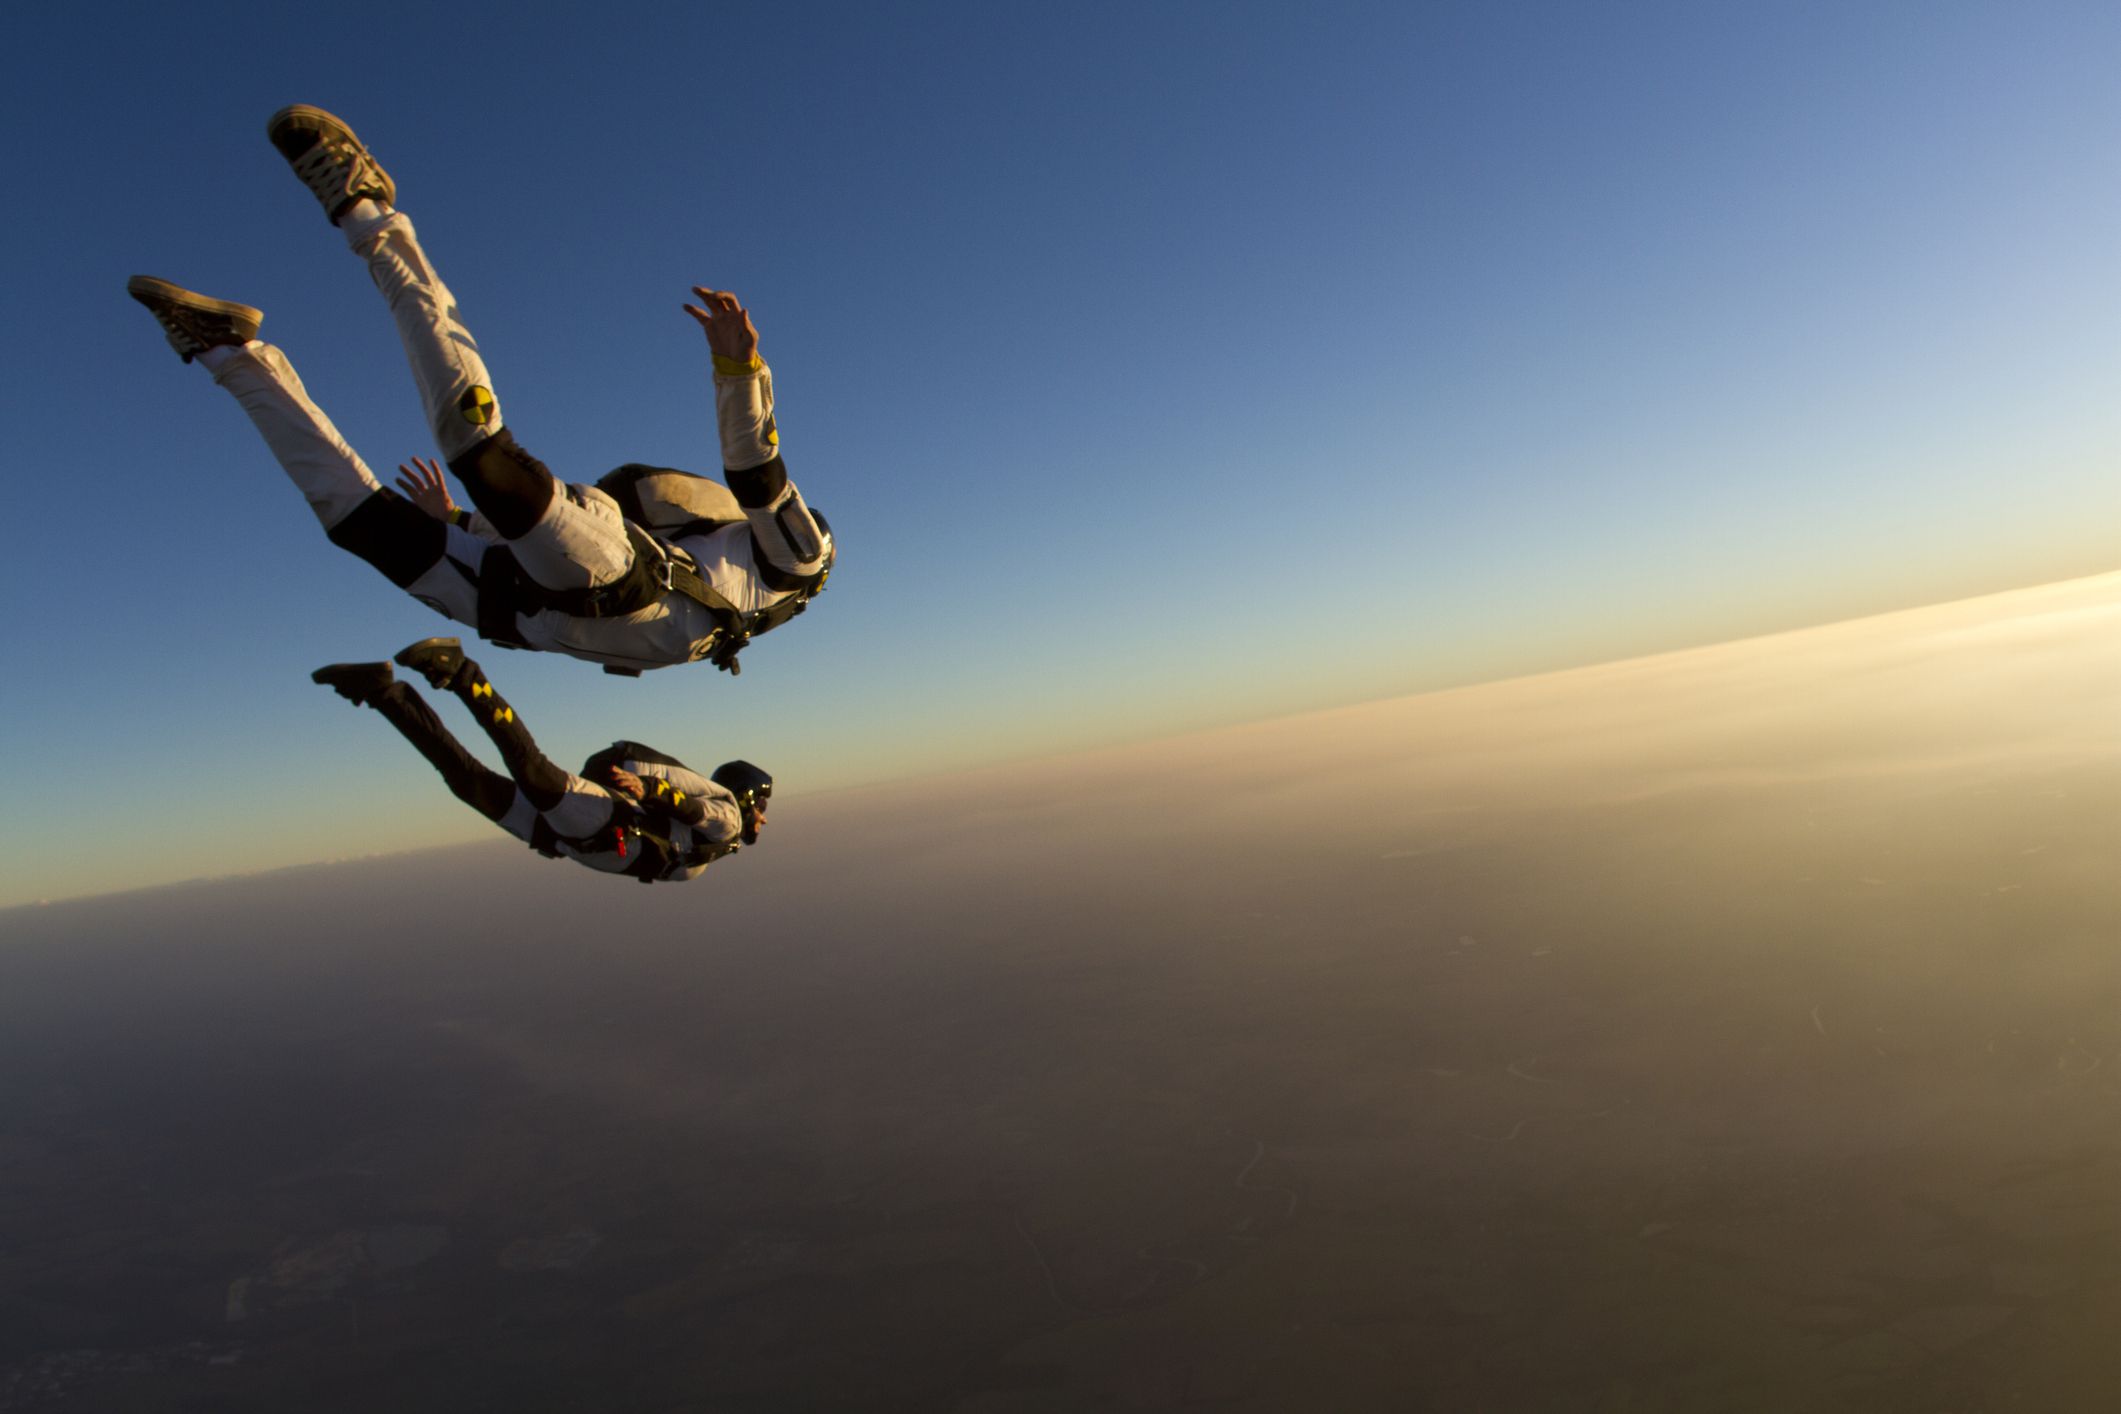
<point x="682" y="823"/>
<point x="564" y="537"/>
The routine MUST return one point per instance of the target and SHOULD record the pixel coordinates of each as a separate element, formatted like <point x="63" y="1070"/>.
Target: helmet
<point x="752" y="788"/>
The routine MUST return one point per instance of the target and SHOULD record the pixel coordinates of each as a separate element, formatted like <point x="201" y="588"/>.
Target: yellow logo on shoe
<point x="477" y="405"/>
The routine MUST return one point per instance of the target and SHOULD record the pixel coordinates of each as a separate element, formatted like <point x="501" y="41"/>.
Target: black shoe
<point x="439" y="660"/>
<point x="330" y="160"/>
<point x="194" y="322"/>
<point x="358" y="683"/>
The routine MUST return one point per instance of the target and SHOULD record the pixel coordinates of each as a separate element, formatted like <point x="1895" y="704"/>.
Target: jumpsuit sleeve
<point x="677" y="793"/>
<point x="788" y="536"/>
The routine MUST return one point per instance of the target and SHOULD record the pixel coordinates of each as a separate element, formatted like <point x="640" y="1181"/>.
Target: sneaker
<point x="358" y="683"/>
<point x="439" y="660"/>
<point x="329" y="159"/>
<point x="193" y="322"/>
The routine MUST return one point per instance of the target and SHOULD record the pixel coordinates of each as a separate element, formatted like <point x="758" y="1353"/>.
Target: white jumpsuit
<point x="693" y="819"/>
<point x="587" y="808"/>
<point x="581" y="541"/>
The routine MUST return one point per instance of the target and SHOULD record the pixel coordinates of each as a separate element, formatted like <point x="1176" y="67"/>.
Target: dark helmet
<point x="752" y="788"/>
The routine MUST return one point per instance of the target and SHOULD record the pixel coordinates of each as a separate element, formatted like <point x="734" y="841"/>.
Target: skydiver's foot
<point x="359" y="683"/>
<point x="329" y="159"/>
<point x="439" y="660"/>
<point x="193" y="322"/>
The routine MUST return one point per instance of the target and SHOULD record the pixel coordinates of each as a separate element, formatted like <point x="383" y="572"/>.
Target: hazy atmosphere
<point x="1735" y="1029"/>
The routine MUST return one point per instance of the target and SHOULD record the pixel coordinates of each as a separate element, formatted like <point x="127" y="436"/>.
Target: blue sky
<point x="1158" y="366"/>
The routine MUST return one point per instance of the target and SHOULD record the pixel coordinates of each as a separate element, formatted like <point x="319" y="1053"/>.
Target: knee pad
<point x="392" y="534"/>
<point x="509" y="485"/>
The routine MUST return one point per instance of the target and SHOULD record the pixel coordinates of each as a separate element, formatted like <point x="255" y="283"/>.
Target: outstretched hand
<point x="729" y="330"/>
<point x="423" y="486"/>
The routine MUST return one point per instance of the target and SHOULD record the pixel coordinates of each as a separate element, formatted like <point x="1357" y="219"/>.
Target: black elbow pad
<point x="758" y="486"/>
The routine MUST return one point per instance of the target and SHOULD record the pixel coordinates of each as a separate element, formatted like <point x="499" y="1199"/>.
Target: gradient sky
<point x="1158" y="366"/>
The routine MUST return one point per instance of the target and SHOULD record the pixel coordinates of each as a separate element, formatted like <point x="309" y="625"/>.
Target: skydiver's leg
<point x="575" y="538"/>
<point x="562" y="536"/>
<point x="573" y="808"/>
<point x="510" y="487"/>
<point x="434" y="562"/>
<point x="357" y="196"/>
<point x="543" y="781"/>
<point x="452" y="378"/>
<point x="469" y="780"/>
<point x="330" y="475"/>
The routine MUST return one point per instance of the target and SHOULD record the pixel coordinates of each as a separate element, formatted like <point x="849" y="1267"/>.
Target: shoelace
<point x="333" y="168"/>
<point x="185" y="338"/>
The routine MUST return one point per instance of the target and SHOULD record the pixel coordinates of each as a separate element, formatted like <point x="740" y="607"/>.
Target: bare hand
<point x="624" y="782"/>
<point x="729" y="330"/>
<point x="423" y="486"/>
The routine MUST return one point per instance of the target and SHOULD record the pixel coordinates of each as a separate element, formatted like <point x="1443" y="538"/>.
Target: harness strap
<point x="498" y="574"/>
<point x="650" y="856"/>
<point x="675" y="572"/>
<point x="543" y="838"/>
<point x="505" y="593"/>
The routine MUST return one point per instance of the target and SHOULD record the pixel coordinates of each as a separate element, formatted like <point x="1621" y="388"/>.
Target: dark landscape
<point x="1739" y="1030"/>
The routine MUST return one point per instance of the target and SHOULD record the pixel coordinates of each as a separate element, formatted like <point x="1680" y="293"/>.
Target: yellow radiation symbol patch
<point x="477" y="405"/>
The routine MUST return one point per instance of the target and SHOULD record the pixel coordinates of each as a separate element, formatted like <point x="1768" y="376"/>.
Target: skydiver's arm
<point x="787" y="535"/>
<point x="660" y="797"/>
<point x="743" y="384"/>
<point x="674" y="793"/>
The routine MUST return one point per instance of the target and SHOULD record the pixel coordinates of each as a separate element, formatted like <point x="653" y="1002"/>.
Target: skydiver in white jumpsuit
<point x="631" y="810"/>
<point x="573" y="575"/>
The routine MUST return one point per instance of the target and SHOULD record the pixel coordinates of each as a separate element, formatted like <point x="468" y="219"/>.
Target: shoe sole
<point x="404" y="658"/>
<point x="405" y="653"/>
<point x="148" y="290"/>
<point x="362" y="695"/>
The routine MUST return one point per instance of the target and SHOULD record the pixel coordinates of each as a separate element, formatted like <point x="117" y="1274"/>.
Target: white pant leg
<point x="309" y="449"/>
<point x="576" y="545"/>
<point x="520" y="816"/>
<point x="332" y="477"/>
<point x="584" y="810"/>
<point x="450" y="586"/>
<point x="452" y="378"/>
